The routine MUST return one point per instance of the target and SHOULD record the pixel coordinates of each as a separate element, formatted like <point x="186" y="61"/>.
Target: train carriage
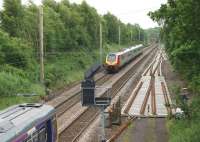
<point x="28" y="123"/>
<point x="114" y="61"/>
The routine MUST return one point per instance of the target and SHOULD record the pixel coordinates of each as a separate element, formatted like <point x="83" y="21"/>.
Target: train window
<point x="38" y="136"/>
<point x="111" y="57"/>
<point x="29" y="139"/>
<point x="35" y="137"/>
<point x="42" y="135"/>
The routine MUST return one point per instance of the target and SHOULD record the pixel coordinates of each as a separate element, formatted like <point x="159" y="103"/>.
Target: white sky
<point x="128" y="11"/>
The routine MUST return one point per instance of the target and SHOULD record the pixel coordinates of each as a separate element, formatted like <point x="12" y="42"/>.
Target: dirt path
<point x="161" y="130"/>
<point x="145" y="130"/>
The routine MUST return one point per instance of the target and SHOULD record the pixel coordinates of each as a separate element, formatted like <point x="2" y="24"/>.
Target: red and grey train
<point x="114" y="61"/>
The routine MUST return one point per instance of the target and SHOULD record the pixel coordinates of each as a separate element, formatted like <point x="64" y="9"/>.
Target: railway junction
<point x="140" y="86"/>
<point x="148" y="101"/>
<point x="105" y="106"/>
<point x="73" y="119"/>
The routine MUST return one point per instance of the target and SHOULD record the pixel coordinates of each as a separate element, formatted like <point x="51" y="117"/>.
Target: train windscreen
<point x="40" y="135"/>
<point x="111" y="57"/>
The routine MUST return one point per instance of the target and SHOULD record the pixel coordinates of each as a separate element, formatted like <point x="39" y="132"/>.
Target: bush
<point x="186" y="130"/>
<point x="12" y="84"/>
<point x="189" y="131"/>
<point x="15" y="52"/>
<point x="195" y="84"/>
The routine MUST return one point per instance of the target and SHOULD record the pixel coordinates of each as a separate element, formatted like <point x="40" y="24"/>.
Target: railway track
<point x="75" y="98"/>
<point x="77" y="126"/>
<point x="149" y="70"/>
<point x="74" y="130"/>
<point x="72" y="96"/>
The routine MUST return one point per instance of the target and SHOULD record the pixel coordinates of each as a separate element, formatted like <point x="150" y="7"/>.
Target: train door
<point x="52" y="130"/>
<point x="49" y="131"/>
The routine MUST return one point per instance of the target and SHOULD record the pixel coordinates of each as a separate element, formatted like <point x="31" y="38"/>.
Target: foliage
<point x="12" y="84"/>
<point x="10" y="17"/>
<point x="153" y="34"/>
<point x="180" y="21"/>
<point x="17" y="61"/>
<point x="112" y="24"/>
<point x="15" y="52"/>
<point x="186" y="130"/>
<point x="71" y="43"/>
<point x="6" y="101"/>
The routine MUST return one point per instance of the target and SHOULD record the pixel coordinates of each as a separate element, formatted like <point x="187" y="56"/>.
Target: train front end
<point x="112" y="62"/>
<point x="28" y="123"/>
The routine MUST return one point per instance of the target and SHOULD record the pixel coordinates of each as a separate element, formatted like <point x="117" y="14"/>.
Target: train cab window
<point x="111" y="57"/>
<point x="38" y="136"/>
<point x="42" y="137"/>
<point x="29" y="139"/>
<point x="35" y="137"/>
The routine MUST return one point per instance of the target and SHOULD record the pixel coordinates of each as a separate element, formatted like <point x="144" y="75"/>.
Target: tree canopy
<point x="180" y="21"/>
<point x="71" y="33"/>
<point x="66" y="26"/>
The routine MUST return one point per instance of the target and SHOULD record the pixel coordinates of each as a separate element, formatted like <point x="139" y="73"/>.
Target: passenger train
<point x="115" y="61"/>
<point x="28" y="123"/>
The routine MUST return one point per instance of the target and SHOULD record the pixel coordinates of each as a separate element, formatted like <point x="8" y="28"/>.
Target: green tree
<point x="11" y="16"/>
<point x="112" y="24"/>
<point x="181" y="22"/>
<point x="91" y="21"/>
<point x="54" y="30"/>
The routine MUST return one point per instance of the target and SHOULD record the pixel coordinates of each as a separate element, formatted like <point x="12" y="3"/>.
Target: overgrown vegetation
<point x="180" y="21"/>
<point x="71" y="45"/>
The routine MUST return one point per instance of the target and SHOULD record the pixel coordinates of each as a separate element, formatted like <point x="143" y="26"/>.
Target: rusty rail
<point x="166" y="98"/>
<point x="153" y="97"/>
<point x="120" y="130"/>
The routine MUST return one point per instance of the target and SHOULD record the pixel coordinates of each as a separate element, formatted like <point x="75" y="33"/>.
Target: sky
<point x="128" y="11"/>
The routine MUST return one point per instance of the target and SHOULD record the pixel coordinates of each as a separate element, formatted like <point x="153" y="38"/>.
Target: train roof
<point x="19" y="119"/>
<point x="128" y="49"/>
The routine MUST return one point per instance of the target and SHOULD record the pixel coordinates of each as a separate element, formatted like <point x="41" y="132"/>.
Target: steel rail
<point x="75" y="98"/>
<point x="116" y="86"/>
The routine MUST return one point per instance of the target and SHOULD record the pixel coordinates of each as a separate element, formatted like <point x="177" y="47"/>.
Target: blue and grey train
<point x="28" y="123"/>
